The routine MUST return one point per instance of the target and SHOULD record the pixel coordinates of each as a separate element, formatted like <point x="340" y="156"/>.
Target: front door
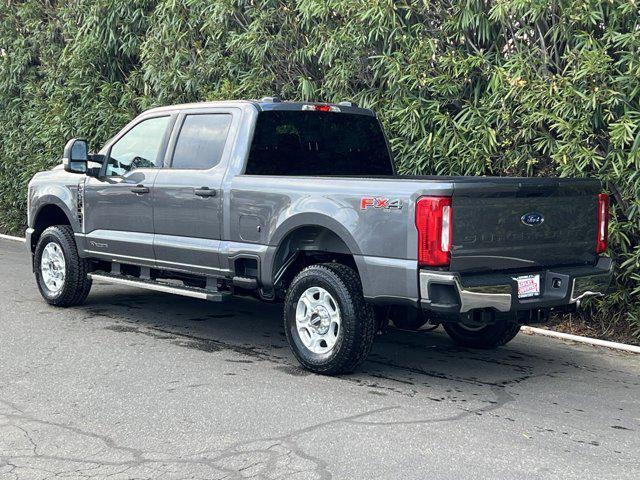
<point x="187" y="208"/>
<point x="118" y="208"/>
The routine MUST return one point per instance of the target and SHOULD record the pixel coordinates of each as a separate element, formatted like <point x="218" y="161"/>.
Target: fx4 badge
<point x="380" y="202"/>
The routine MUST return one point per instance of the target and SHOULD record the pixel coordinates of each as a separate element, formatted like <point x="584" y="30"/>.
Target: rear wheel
<point x="60" y="272"/>
<point x="328" y="324"/>
<point x="482" y="336"/>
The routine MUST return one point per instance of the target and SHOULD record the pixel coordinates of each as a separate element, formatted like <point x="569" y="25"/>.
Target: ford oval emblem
<point x="532" y="219"/>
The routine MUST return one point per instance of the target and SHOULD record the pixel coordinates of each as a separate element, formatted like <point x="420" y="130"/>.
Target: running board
<point x="193" y="292"/>
<point x="248" y="283"/>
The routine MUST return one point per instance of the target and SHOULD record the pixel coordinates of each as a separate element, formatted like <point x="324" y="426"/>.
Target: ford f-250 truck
<point x="300" y="203"/>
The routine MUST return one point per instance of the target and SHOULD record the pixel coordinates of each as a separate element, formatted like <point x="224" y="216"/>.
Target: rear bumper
<point x="448" y="292"/>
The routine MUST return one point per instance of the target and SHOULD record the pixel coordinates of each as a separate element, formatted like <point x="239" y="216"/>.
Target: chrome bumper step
<point x="193" y="292"/>
<point x="574" y="284"/>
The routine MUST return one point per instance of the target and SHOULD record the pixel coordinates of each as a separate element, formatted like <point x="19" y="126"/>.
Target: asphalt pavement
<point x="144" y="385"/>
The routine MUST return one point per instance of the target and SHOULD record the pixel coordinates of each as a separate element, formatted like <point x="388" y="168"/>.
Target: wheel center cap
<point x="320" y="320"/>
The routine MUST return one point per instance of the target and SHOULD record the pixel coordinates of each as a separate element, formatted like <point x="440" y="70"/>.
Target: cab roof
<point x="269" y="104"/>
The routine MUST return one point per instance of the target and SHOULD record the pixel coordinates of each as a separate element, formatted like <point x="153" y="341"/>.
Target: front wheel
<point x="60" y="272"/>
<point x="482" y="336"/>
<point x="328" y="324"/>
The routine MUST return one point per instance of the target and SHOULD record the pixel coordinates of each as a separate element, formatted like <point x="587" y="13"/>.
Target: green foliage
<point x="473" y="87"/>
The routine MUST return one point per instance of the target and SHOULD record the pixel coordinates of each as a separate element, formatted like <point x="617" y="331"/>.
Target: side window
<point x="138" y="148"/>
<point x="201" y="141"/>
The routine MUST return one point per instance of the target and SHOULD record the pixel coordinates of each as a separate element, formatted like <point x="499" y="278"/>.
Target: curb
<point x="577" y="338"/>
<point x="10" y="237"/>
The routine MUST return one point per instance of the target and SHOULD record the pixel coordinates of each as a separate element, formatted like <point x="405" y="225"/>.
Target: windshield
<point x="312" y="143"/>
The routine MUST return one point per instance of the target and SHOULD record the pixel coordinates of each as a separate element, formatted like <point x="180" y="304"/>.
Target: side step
<point x="194" y="292"/>
<point x="248" y="283"/>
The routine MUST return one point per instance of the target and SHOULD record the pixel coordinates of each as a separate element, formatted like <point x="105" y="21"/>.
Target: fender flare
<point x="307" y="219"/>
<point x="314" y="220"/>
<point x="51" y="199"/>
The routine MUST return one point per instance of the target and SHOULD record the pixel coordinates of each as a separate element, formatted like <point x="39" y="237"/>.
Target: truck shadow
<point x="401" y="362"/>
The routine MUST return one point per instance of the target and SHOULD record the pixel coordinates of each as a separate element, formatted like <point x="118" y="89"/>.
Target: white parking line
<point x="10" y="237"/>
<point x="577" y="338"/>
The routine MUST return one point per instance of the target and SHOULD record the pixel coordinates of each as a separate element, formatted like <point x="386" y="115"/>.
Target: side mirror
<point x="75" y="156"/>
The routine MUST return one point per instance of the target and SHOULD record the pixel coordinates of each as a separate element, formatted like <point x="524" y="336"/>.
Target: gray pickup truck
<point x="300" y="203"/>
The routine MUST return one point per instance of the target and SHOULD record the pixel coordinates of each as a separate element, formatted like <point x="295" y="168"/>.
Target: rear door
<point x="188" y="198"/>
<point x="118" y="211"/>
<point x="501" y="224"/>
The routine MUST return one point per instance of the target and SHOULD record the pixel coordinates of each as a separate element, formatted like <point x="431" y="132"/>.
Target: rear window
<point x="310" y="143"/>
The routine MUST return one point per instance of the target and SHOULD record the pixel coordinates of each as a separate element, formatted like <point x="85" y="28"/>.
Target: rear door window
<point x="311" y="143"/>
<point x="201" y="141"/>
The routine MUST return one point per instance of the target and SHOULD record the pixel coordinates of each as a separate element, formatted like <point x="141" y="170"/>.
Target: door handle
<point x="205" y="192"/>
<point x="140" y="189"/>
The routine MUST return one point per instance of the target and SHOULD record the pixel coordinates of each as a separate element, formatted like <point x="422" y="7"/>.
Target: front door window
<point x="138" y="148"/>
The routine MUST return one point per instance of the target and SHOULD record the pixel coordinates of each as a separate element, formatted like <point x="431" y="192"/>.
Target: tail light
<point x="433" y="221"/>
<point x="603" y="222"/>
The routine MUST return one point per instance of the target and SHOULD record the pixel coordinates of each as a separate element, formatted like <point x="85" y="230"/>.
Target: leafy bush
<point x="473" y="87"/>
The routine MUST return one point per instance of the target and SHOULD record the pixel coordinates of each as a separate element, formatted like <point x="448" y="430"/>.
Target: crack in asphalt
<point x="283" y="450"/>
<point x="275" y="448"/>
<point x="221" y="461"/>
<point x="34" y="445"/>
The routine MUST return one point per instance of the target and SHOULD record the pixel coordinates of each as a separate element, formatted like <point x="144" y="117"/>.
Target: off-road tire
<point x="358" y="325"/>
<point x="77" y="284"/>
<point x="490" y="336"/>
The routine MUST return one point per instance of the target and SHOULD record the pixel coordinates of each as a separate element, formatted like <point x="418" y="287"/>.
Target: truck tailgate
<point x="503" y="223"/>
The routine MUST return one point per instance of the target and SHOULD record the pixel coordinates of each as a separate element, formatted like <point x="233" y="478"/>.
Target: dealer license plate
<point x="528" y="286"/>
